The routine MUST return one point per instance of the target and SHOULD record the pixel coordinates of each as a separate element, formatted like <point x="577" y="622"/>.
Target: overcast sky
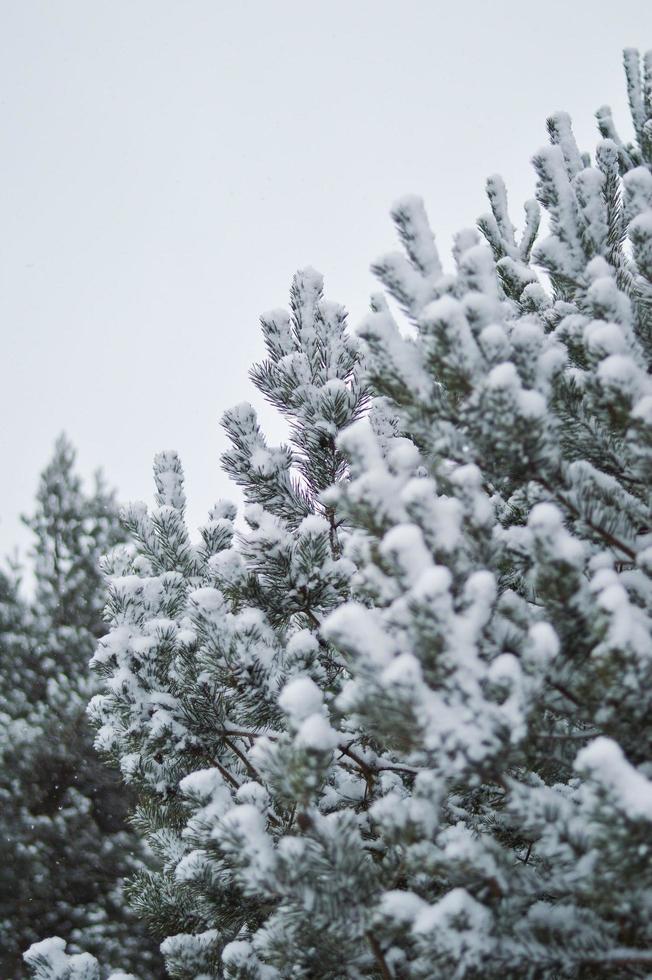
<point x="166" y="166"/>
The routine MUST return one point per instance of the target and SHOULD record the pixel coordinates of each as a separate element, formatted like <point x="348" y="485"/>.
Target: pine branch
<point x="385" y="971"/>
<point x="602" y="532"/>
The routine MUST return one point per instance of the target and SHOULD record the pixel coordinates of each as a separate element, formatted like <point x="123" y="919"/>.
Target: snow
<point x="434" y="582"/>
<point x="240" y="955"/>
<point x="308" y="285"/>
<point x="60" y="966"/>
<point x="506" y="671"/>
<point x="223" y="510"/>
<point x="403" y="907"/>
<point x="314" y="524"/>
<point x="404" y="669"/>
<point x="610" y="304"/>
<point x="227" y="565"/>
<point x="249" y="824"/>
<point x="168" y="473"/>
<point x="53" y="949"/>
<point x="261" y="461"/>
<point x="455" y="903"/>
<point x="494" y="341"/>
<point x="355" y="629"/>
<point x="203" y="783"/>
<point x="547" y="523"/>
<point x="640" y="233"/>
<point x="192" y="866"/>
<point x="497" y="194"/>
<point x="504" y="375"/>
<point x="208" y="601"/>
<point x="236" y="953"/>
<point x="301" y="698"/>
<point x="255" y="794"/>
<point x="460" y="927"/>
<point x="613" y="596"/>
<point x="643" y="410"/>
<point x="463" y="241"/>
<point x="244" y="415"/>
<point x="467" y="476"/>
<point x="187" y="949"/>
<point x="381" y="331"/>
<point x="628" y="629"/>
<point x="409" y="212"/>
<point x="604" y="762"/>
<point x="638" y="191"/>
<point x="448" y="314"/>
<point x="405" y="545"/>
<point x="480" y="593"/>
<point x="444" y="514"/>
<point x="604" y="338"/>
<point x="561" y="130"/>
<point x="543" y="642"/>
<point x="402" y="454"/>
<point x="302" y="644"/>
<point x="532" y="404"/>
<point x="316" y="733"/>
<point x="528" y="337"/>
<point x="359" y="440"/>
<point x="620" y="370"/>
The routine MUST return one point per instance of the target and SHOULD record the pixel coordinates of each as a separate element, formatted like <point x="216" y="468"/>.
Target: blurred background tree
<point x="62" y="811"/>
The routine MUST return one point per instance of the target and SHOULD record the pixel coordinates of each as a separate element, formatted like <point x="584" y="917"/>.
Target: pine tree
<point x="398" y="727"/>
<point x="506" y="570"/>
<point x="64" y="812"/>
<point x="18" y="668"/>
<point x="205" y="638"/>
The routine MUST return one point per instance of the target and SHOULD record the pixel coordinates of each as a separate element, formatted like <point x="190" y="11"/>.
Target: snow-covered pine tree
<point x="63" y="815"/>
<point x="18" y="667"/>
<point x="501" y="639"/>
<point x="220" y="682"/>
<point x="447" y="775"/>
<point x="18" y="678"/>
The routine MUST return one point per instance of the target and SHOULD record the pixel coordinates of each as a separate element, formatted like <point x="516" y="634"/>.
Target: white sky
<point x="166" y="166"/>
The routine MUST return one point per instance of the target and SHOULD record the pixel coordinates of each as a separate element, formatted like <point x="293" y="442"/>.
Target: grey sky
<point x="166" y="166"/>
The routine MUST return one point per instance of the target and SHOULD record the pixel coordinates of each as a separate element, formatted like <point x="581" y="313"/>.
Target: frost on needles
<point x="66" y="841"/>
<point x="399" y="726"/>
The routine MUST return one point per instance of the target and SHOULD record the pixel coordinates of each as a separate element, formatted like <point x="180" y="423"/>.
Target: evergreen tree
<point x="18" y="668"/>
<point x="205" y="638"/>
<point x="501" y="640"/>
<point x="399" y="727"/>
<point x="64" y="813"/>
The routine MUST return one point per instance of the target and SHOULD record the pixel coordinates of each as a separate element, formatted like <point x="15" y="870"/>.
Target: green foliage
<point x="63" y="814"/>
<point x="398" y="725"/>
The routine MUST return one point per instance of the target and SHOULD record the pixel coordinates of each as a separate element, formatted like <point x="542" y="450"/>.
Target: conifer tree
<point x="63" y="819"/>
<point x="504" y="563"/>
<point x="399" y="728"/>
<point x="18" y="668"/>
<point x="206" y="637"/>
